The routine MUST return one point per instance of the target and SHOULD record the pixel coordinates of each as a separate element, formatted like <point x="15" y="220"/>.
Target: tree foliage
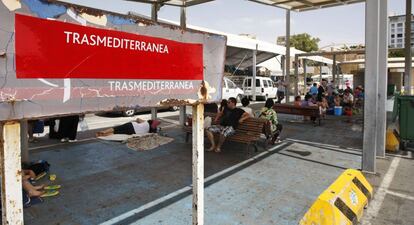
<point x="396" y="53"/>
<point x="304" y="42"/>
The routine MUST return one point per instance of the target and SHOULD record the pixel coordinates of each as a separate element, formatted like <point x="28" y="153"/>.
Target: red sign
<point x="54" y="49"/>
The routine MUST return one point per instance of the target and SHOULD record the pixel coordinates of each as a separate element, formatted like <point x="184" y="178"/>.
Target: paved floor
<point x="105" y="182"/>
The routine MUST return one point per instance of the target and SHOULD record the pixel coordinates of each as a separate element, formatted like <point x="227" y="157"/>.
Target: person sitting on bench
<point x="269" y="114"/>
<point x="139" y="126"/>
<point x="229" y="121"/>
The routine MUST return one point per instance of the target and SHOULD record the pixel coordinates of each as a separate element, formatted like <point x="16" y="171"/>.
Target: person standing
<point x="68" y="128"/>
<point x="322" y="90"/>
<point x="281" y="89"/>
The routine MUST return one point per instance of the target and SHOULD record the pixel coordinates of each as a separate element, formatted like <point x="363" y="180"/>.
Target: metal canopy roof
<point x="304" y="5"/>
<point x="185" y="3"/>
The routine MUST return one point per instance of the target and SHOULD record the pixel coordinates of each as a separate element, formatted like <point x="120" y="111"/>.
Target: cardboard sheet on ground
<point x="139" y="142"/>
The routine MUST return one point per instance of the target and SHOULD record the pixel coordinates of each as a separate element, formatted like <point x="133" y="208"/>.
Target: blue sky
<point x="336" y="25"/>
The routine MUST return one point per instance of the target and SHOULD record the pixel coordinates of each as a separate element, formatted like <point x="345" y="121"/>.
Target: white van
<point x="265" y="87"/>
<point x="230" y="89"/>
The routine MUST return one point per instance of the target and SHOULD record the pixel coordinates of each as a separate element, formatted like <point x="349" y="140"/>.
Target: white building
<point x="396" y="28"/>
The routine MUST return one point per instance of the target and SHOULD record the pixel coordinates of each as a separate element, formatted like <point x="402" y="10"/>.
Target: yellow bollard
<point x="342" y="203"/>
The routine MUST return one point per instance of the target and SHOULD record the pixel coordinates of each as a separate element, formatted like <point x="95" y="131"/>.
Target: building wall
<point x="396" y="30"/>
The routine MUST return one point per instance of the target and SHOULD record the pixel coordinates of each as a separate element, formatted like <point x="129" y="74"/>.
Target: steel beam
<point x="154" y="113"/>
<point x="407" y="50"/>
<point x="287" y="64"/>
<point x="382" y="77"/>
<point x="372" y="45"/>
<point x="334" y="71"/>
<point x="198" y="164"/>
<point x="183" y="17"/>
<point x="304" y="76"/>
<point x="296" y="75"/>
<point x="24" y="140"/>
<point x="182" y="116"/>
<point x="254" y="74"/>
<point x="154" y="12"/>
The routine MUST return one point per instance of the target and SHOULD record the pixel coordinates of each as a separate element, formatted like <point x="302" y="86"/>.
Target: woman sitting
<point x="269" y="114"/>
<point x="138" y="126"/>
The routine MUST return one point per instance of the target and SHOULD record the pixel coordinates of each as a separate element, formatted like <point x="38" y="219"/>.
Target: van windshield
<point x="249" y="82"/>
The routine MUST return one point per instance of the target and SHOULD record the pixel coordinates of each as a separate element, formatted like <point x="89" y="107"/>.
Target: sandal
<point x="50" y="193"/>
<point x="52" y="187"/>
<point x="40" y="176"/>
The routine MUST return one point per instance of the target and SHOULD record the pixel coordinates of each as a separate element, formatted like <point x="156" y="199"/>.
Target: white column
<point x="198" y="164"/>
<point x="11" y="173"/>
<point x="382" y="78"/>
<point x="153" y="113"/>
<point x="287" y="64"/>
<point x="254" y="75"/>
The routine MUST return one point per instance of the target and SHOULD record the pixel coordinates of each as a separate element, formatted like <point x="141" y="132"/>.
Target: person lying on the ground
<point x="269" y="114"/>
<point x="245" y="102"/>
<point x="229" y="121"/>
<point x="138" y="126"/>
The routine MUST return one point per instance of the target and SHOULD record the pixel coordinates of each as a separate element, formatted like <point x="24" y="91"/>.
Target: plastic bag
<point x="83" y="125"/>
<point x="56" y="127"/>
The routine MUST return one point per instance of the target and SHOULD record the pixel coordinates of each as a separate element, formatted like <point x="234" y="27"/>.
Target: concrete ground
<point x="105" y="182"/>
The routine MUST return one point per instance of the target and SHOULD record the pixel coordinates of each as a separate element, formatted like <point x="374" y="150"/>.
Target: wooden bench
<point x="248" y="132"/>
<point x="311" y="111"/>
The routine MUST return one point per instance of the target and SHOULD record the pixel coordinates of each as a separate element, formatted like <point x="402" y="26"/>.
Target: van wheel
<point x="239" y="98"/>
<point x="129" y="112"/>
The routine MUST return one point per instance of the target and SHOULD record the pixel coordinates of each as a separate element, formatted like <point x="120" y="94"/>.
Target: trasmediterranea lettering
<point x="114" y="42"/>
<point x="149" y="85"/>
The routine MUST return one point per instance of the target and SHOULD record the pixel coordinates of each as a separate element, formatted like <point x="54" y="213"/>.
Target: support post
<point x="304" y="77"/>
<point x="320" y="75"/>
<point x="335" y="80"/>
<point x="24" y="141"/>
<point x="287" y="64"/>
<point x="154" y="113"/>
<point x="373" y="50"/>
<point x="182" y="115"/>
<point x="11" y="173"/>
<point x="198" y="164"/>
<point x="282" y="66"/>
<point x="296" y="74"/>
<point x="254" y="75"/>
<point x="408" y="54"/>
<point x="154" y="12"/>
<point x="382" y="78"/>
<point x="183" y="17"/>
